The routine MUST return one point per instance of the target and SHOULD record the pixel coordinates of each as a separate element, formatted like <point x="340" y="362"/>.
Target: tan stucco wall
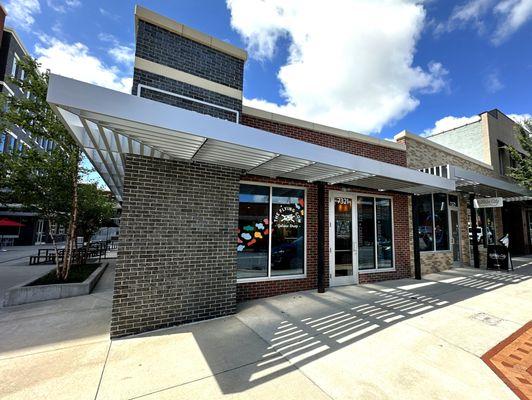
<point x="498" y="127"/>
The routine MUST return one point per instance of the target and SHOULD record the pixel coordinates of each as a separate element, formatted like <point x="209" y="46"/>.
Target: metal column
<point x="474" y="236"/>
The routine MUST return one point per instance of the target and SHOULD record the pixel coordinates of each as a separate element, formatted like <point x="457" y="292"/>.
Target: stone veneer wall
<point x="176" y="259"/>
<point x="463" y="216"/>
<point x="435" y="261"/>
<point x="423" y="155"/>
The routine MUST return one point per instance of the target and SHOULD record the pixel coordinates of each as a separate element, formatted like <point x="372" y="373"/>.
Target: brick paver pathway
<point x="511" y="360"/>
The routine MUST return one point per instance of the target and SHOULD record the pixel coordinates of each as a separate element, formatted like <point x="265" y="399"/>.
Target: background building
<point x="487" y="141"/>
<point x="35" y="229"/>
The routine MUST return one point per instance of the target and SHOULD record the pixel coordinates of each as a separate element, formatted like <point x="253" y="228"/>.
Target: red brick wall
<point x="376" y="152"/>
<point x="254" y="290"/>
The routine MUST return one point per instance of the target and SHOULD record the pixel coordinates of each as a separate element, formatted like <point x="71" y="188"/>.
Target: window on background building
<point x="433" y="220"/>
<point x="3" y="141"/>
<point x="366" y="233"/>
<point x="14" y="66"/>
<point x="271" y="232"/>
<point x="11" y="143"/>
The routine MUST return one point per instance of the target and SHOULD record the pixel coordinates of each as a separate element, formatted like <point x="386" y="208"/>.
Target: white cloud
<point x="451" y="122"/>
<point x="75" y="61"/>
<point x="499" y="19"/>
<point x="513" y="14"/>
<point x="350" y="63"/>
<point x="108" y="14"/>
<point x="63" y="6"/>
<point x="120" y="53"/>
<point x="492" y="82"/>
<point x="21" y="12"/>
<point x="448" y="123"/>
<point x="519" y="118"/>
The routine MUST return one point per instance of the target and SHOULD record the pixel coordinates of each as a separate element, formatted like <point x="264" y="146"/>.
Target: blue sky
<point x="373" y="66"/>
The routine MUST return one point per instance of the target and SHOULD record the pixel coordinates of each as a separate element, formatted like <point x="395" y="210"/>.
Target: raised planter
<point x="22" y="294"/>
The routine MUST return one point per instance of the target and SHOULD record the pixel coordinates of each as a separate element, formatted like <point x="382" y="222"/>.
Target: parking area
<point x="397" y="339"/>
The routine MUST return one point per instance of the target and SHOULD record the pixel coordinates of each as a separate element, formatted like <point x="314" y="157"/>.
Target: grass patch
<point x="77" y="274"/>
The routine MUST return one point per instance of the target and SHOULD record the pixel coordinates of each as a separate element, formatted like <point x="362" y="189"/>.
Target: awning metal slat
<point x="129" y="124"/>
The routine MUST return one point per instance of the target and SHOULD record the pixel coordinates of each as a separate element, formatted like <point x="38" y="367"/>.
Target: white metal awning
<point x="109" y="124"/>
<point x="473" y="182"/>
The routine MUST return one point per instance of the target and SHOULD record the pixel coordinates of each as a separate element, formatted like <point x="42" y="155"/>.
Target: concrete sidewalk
<point x="395" y="340"/>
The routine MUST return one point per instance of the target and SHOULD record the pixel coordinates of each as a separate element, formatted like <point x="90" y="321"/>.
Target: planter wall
<point x="22" y="294"/>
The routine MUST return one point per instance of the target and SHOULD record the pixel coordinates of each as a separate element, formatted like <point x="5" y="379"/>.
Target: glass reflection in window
<point x="366" y="233"/>
<point x="441" y="221"/>
<point x="384" y="233"/>
<point x="343" y="236"/>
<point x="425" y="229"/>
<point x="288" y="231"/>
<point x="253" y="231"/>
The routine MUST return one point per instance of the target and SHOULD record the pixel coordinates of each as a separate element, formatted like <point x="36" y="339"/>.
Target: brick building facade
<point x="224" y="203"/>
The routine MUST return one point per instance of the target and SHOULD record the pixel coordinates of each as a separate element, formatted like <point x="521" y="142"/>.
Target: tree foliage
<point x="95" y="209"/>
<point x="522" y="172"/>
<point x="45" y="181"/>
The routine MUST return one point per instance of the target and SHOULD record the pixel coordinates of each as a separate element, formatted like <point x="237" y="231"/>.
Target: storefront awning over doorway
<point x="487" y="186"/>
<point x="109" y="124"/>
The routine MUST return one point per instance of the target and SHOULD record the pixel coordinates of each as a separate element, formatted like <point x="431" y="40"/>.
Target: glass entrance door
<point x="343" y="249"/>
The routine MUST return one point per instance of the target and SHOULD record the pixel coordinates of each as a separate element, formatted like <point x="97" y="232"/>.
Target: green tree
<point x="95" y="209"/>
<point x="46" y="181"/>
<point x="522" y="172"/>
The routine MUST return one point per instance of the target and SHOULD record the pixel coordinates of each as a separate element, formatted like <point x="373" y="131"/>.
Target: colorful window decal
<point x="258" y="255"/>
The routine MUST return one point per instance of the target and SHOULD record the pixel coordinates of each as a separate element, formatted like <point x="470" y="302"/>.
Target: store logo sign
<point x="490" y="202"/>
<point x="287" y="217"/>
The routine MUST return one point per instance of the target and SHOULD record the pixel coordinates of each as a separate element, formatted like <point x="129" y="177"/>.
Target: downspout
<point x="321" y="237"/>
<point x="415" y="229"/>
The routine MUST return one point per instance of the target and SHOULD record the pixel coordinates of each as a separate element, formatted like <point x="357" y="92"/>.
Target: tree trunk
<point x="72" y="224"/>
<point x="52" y="235"/>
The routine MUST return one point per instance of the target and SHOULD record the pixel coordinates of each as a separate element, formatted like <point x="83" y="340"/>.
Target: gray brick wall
<point x="177" y="259"/>
<point x="185" y="89"/>
<point x="164" y="47"/>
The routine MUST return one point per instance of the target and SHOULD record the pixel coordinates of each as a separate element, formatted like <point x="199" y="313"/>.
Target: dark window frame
<point x="269" y="276"/>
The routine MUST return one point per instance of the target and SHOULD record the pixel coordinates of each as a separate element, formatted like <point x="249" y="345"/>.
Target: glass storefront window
<point x="383" y="211"/>
<point x="253" y="231"/>
<point x="288" y="231"/>
<point x="271" y="232"/>
<point x="485" y="227"/>
<point x="425" y="220"/>
<point x="433" y="219"/>
<point x="441" y="222"/>
<point x="366" y="233"/>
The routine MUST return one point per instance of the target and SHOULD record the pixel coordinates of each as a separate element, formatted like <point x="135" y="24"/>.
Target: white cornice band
<point x="175" y="74"/>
